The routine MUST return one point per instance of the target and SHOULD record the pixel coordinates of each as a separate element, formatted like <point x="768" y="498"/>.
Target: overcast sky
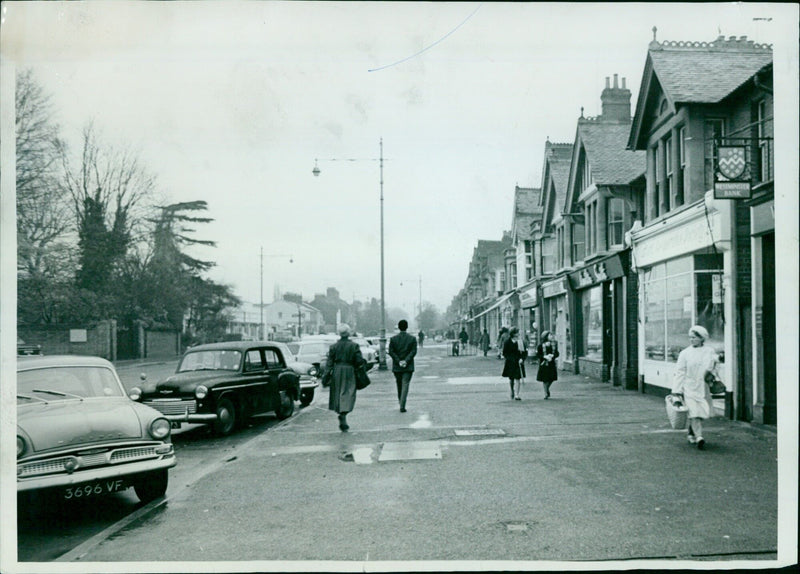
<point x="231" y="103"/>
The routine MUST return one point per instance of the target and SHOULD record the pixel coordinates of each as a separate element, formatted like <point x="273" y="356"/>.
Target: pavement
<point x="595" y="473"/>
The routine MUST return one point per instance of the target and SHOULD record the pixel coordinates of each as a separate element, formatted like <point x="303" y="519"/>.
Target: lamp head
<point x="315" y="171"/>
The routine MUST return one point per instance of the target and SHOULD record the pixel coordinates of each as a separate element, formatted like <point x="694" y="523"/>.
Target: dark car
<point x="24" y="348"/>
<point x="79" y="436"/>
<point x="224" y="384"/>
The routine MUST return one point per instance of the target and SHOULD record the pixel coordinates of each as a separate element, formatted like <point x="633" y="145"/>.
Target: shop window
<point x="592" y="300"/>
<point x="679" y="313"/>
<point x="654" y="319"/>
<point x="710" y="305"/>
<point x="615" y="227"/>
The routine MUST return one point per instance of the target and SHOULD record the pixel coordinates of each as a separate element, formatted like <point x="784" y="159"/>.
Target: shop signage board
<point x="596" y="273"/>
<point x="731" y="179"/>
<point x="528" y="297"/>
<point x="558" y="287"/>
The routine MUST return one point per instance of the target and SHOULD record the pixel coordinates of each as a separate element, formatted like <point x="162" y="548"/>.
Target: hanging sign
<point x="731" y="178"/>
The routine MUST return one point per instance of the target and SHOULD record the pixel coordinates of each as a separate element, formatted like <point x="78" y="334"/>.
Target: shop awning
<point x="494" y="306"/>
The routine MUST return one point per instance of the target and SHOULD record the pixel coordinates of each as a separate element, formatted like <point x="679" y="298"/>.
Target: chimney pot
<point x="608" y="82"/>
<point x="616" y="84"/>
<point x="623" y="83"/>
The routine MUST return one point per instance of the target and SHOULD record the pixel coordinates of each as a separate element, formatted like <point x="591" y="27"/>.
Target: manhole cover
<point x="410" y="451"/>
<point x="480" y="432"/>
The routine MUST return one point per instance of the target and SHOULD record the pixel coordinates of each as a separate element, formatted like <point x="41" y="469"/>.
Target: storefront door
<point x="768" y="328"/>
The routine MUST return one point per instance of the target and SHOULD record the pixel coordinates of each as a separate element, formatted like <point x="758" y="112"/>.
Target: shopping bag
<point x="362" y="379"/>
<point x="677" y="413"/>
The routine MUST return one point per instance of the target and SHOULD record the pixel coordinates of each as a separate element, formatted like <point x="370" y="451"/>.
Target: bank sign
<point x="732" y="178"/>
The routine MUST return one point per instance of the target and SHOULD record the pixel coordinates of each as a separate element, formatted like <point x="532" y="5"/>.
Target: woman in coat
<point x="343" y="358"/>
<point x="546" y="353"/>
<point x="689" y="380"/>
<point x="515" y="357"/>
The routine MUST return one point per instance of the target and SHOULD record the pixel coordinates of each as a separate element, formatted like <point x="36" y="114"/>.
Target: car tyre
<point x="285" y="406"/>
<point x="226" y="417"/>
<point x="152" y="486"/>
<point x="306" y="397"/>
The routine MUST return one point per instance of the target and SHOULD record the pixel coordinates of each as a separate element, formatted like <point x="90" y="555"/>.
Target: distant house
<point x="289" y="317"/>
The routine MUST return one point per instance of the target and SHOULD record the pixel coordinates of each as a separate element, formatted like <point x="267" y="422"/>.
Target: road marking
<point x="423" y="422"/>
<point x="417" y="450"/>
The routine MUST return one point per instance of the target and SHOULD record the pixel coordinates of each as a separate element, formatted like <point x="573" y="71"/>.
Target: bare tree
<point x="42" y="217"/>
<point x="109" y="192"/>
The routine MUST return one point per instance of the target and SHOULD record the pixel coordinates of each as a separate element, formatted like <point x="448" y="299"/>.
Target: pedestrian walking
<point x="344" y="357"/>
<point x="464" y="338"/>
<point x="546" y="353"/>
<point x="502" y="337"/>
<point x="485" y="342"/>
<point x="421" y="338"/>
<point x="515" y="359"/>
<point x="402" y="348"/>
<point x="696" y="364"/>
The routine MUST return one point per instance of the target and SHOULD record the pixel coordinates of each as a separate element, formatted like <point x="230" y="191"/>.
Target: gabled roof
<point x="555" y="176"/>
<point x="604" y="143"/>
<point x="696" y="72"/>
<point x="526" y="208"/>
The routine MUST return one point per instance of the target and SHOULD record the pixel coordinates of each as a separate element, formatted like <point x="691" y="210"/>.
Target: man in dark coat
<point x="402" y="348"/>
<point x="344" y="357"/>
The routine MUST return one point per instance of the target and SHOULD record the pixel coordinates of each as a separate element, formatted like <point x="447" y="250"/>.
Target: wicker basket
<point x="677" y="413"/>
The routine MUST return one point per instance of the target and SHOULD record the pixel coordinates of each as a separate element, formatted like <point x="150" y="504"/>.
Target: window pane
<point x="654" y="320"/>
<point x="679" y="314"/>
<point x="710" y="310"/>
<point x="593" y="323"/>
<point x="676" y="266"/>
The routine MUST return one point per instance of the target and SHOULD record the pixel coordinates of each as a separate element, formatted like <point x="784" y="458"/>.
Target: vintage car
<point x="224" y="384"/>
<point x="79" y="436"/>
<point x="309" y="374"/>
<point x="314" y="349"/>
<point x="24" y="348"/>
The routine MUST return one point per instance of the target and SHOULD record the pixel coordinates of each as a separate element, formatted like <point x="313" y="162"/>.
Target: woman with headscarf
<point x="546" y="353"/>
<point x="695" y="363"/>
<point x="513" y="366"/>
<point x="344" y="357"/>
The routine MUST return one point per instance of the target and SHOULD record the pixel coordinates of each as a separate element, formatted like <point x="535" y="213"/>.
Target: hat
<point x="700" y="331"/>
<point x="344" y="329"/>
<point x="545" y="335"/>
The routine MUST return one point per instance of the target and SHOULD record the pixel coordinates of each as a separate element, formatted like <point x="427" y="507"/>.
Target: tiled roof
<point x="706" y="72"/>
<point x="560" y="161"/>
<point x="605" y="142"/>
<point x="526" y="199"/>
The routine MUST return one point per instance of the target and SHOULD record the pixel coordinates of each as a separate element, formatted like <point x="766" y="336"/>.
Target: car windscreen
<point x="61" y="383"/>
<point x="211" y="360"/>
<point x="294" y="348"/>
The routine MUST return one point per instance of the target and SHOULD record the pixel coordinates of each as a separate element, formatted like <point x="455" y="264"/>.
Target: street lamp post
<point x="382" y="349"/>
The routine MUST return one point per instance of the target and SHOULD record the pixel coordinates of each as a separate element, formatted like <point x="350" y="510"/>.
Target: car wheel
<point x="152" y="486"/>
<point x="285" y="406"/>
<point x="226" y="417"/>
<point x="306" y="397"/>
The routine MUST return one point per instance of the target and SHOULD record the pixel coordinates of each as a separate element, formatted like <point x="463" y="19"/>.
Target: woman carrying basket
<point x="689" y="381"/>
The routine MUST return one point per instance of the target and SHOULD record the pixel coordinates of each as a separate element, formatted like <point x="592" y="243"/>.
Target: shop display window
<point x="592" y="300"/>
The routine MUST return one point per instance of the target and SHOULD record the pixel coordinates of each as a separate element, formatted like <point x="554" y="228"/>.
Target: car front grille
<point x="108" y="457"/>
<point x="173" y="406"/>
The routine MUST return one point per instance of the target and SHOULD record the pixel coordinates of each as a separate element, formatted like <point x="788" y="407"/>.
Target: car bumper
<point x="306" y="384"/>
<point x="102" y="473"/>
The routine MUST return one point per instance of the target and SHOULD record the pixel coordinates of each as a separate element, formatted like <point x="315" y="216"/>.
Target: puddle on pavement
<point x="410" y="451"/>
<point x="361" y="455"/>
<point x="470" y="380"/>
<point x="480" y="432"/>
<point x="431" y="377"/>
<point x="422" y="422"/>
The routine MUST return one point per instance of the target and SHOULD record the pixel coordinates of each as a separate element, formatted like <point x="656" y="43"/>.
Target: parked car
<point x="224" y="384"/>
<point x="80" y="436"/>
<point x="369" y="353"/>
<point x="314" y="349"/>
<point x="309" y="374"/>
<point x="24" y="348"/>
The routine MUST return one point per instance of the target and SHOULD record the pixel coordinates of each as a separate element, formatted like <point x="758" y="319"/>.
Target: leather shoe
<point x="402" y="410"/>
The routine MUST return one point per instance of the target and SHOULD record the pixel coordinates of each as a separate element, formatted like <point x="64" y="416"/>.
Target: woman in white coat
<point x="694" y="362"/>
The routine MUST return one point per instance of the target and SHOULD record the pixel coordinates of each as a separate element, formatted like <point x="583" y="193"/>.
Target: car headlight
<point x="159" y="429"/>
<point x="135" y="393"/>
<point x="201" y="391"/>
<point x="20" y="446"/>
<point x="312" y="372"/>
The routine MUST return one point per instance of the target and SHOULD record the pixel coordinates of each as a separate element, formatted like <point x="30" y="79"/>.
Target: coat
<point x="513" y="355"/>
<point x="402" y="347"/>
<point x="547" y="369"/>
<point x="343" y="357"/>
<point x="485" y="341"/>
<point x="689" y="379"/>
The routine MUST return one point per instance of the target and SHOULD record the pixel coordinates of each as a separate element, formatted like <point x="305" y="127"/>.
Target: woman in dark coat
<point x="343" y="358"/>
<point x="546" y="352"/>
<point x="515" y="357"/>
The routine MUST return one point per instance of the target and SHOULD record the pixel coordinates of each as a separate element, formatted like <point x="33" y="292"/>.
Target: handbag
<point x="362" y="379"/>
<point x="716" y="386"/>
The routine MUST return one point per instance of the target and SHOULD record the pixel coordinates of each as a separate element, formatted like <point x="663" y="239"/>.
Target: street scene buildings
<point x="638" y="231"/>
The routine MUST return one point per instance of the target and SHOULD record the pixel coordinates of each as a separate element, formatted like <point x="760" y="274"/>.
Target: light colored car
<point x="309" y="374"/>
<point x="314" y="349"/>
<point x="80" y="436"/>
<point x="369" y="353"/>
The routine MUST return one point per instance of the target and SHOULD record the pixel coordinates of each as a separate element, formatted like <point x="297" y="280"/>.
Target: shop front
<point x="556" y="318"/>
<point x="684" y="269"/>
<point x="528" y="303"/>
<point x="601" y="347"/>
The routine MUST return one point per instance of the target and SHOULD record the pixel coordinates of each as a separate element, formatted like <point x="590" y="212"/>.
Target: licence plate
<point x="96" y="488"/>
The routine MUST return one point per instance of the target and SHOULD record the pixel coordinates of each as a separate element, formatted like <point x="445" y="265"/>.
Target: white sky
<point x="232" y="102"/>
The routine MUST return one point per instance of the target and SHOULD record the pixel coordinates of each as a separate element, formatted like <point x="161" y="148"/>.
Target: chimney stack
<point x="616" y="101"/>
